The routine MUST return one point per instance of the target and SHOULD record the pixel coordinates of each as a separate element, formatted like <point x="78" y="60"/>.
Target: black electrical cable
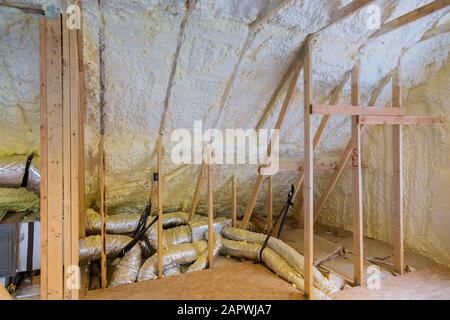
<point x="281" y="219"/>
<point x="141" y="229"/>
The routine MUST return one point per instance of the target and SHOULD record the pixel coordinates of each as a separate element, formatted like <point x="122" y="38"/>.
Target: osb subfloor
<point x="432" y="283"/>
<point x="226" y="281"/>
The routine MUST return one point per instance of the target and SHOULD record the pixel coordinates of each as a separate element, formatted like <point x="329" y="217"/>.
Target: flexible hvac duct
<point x="115" y="224"/>
<point x="200" y="227"/>
<point x="292" y="256"/>
<point x="91" y="247"/>
<point x="173" y="256"/>
<point x="12" y="171"/>
<point x="171" y="237"/>
<point x="127" y="270"/>
<point x="34" y="175"/>
<point x="202" y="262"/>
<point x="275" y="262"/>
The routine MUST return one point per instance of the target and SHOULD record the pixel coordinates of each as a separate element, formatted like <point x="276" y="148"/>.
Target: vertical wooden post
<point x="308" y="185"/>
<point x="234" y="201"/>
<point x="397" y="139"/>
<point x="102" y="163"/>
<point x="62" y="153"/>
<point x="357" y="211"/>
<point x="54" y="172"/>
<point x="103" y="209"/>
<point x="159" y="159"/>
<point x="270" y="204"/>
<point x="44" y="157"/>
<point x="198" y="186"/>
<point x="210" y="213"/>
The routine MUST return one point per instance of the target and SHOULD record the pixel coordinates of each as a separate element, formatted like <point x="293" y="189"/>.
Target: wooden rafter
<point x="413" y="16"/>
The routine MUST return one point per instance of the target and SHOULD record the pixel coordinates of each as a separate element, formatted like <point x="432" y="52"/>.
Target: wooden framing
<point x="103" y="210"/>
<point x="308" y="185"/>
<point x="234" y="201"/>
<point x="413" y="16"/>
<point x="62" y="159"/>
<point x="397" y="184"/>
<point x="269" y="224"/>
<point x="198" y="186"/>
<point x="357" y="209"/>
<point x="101" y="153"/>
<point x="159" y="170"/>
<point x="293" y="74"/>
<point x="210" y="213"/>
<point x="396" y="120"/>
<point x="354" y="111"/>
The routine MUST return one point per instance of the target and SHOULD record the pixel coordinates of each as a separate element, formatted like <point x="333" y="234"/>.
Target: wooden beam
<point x="269" y="224"/>
<point x="397" y="185"/>
<point x="198" y="186"/>
<point x="103" y="210"/>
<point x="412" y="16"/>
<point x="357" y="209"/>
<point x="159" y="161"/>
<point x="62" y="152"/>
<point x="398" y="120"/>
<point x="308" y="194"/>
<point x="54" y="117"/>
<point x="234" y="201"/>
<point x="354" y="110"/>
<point x="101" y="150"/>
<point x="44" y="157"/>
<point x="210" y="213"/>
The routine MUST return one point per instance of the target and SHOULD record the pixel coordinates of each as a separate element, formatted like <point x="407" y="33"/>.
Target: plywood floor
<point x="235" y="281"/>
<point x="427" y="284"/>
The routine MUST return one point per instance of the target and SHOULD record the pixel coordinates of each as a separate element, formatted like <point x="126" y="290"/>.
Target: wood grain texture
<point x="308" y="185"/>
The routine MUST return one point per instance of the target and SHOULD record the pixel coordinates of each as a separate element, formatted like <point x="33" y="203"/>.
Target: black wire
<point x="281" y="219"/>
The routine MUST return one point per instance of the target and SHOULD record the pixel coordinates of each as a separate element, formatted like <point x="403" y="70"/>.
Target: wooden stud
<point x="357" y="210"/>
<point x="397" y="139"/>
<point x="354" y="111"/>
<point x="102" y="161"/>
<point x="210" y="213"/>
<point x="159" y="169"/>
<point x="270" y="204"/>
<point x="198" y="186"/>
<point x="308" y="198"/>
<point x="44" y="157"/>
<point x="66" y="145"/>
<point x="398" y="120"/>
<point x="234" y="201"/>
<point x="103" y="210"/>
<point x="54" y="172"/>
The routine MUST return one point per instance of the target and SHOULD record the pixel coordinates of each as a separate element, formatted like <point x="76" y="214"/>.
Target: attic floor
<point x="228" y="280"/>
